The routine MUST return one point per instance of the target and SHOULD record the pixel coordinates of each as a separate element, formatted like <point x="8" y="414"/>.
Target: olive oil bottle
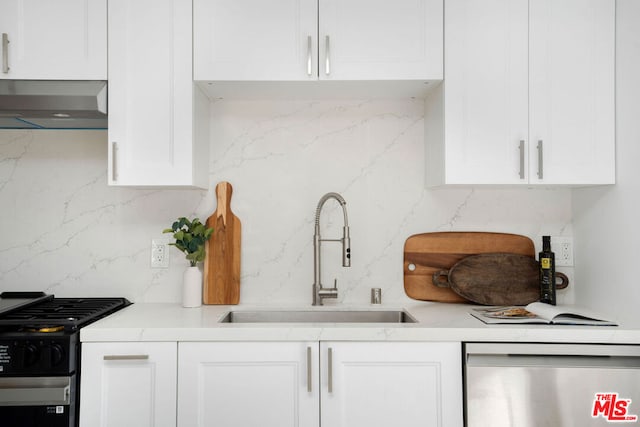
<point x="547" y="262"/>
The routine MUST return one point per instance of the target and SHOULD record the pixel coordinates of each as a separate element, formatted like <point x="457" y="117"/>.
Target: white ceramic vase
<point x="192" y="287"/>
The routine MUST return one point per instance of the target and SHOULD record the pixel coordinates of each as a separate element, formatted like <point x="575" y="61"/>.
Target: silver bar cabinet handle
<point x="327" y="62"/>
<point x="540" y="157"/>
<point x="309" y="386"/>
<point x="114" y="171"/>
<point x="521" y="147"/>
<point x="330" y="370"/>
<point x="126" y="357"/>
<point x="5" y="53"/>
<point x="309" y="53"/>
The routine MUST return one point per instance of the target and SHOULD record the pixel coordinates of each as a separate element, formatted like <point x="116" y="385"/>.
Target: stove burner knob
<point x="26" y="355"/>
<point x="54" y="354"/>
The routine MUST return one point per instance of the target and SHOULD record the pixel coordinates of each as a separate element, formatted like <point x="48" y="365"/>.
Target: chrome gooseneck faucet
<point x="320" y="293"/>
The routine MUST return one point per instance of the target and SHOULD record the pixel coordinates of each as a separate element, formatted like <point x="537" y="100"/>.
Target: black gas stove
<point x="40" y="355"/>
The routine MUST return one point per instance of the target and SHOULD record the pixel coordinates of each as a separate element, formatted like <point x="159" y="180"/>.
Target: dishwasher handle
<point x="552" y="361"/>
<point x="552" y="355"/>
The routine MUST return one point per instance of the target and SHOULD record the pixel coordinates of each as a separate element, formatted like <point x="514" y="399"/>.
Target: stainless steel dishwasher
<point x="554" y="385"/>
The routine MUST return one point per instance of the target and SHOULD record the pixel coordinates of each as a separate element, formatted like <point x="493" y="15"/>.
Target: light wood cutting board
<point x="426" y="253"/>
<point x="222" y="259"/>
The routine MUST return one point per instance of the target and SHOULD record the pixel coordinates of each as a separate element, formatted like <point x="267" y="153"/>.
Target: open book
<point x="539" y="312"/>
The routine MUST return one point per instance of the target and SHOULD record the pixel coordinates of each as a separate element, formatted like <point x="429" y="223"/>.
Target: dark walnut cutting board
<point x="222" y="259"/>
<point x="496" y="279"/>
<point x="427" y="253"/>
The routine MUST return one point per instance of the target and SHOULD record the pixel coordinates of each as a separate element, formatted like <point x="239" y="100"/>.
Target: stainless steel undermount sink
<point x="318" y="316"/>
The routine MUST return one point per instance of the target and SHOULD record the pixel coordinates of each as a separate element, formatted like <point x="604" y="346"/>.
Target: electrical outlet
<point x="159" y="253"/>
<point x="563" y="248"/>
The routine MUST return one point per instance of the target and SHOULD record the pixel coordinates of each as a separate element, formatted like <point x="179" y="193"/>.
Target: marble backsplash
<point x="66" y="232"/>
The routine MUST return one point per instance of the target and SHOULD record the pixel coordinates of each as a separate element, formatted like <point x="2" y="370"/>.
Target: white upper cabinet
<point x="528" y="94"/>
<point x="158" y="119"/>
<point x="572" y="91"/>
<point x="380" y="39"/>
<point x="301" y="40"/>
<point x="485" y="92"/>
<point x="255" y="39"/>
<point x="54" y="40"/>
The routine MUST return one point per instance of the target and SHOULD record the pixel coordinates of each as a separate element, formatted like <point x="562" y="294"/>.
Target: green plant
<point x="190" y="238"/>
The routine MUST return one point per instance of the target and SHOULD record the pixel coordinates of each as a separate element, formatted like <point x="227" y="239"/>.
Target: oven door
<point x="37" y="401"/>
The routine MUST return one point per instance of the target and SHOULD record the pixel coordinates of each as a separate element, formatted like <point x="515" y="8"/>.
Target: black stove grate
<point x="70" y="313"/>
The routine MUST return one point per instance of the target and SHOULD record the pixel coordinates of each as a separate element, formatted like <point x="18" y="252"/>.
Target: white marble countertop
<point x="436" y="322"/>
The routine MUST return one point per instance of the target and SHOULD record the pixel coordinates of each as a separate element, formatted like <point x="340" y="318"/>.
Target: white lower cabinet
<point x="311" y="384"/>
<point x="129" y="384"/>
<point x="269" y="384"/>
<point x="391" y="384"/>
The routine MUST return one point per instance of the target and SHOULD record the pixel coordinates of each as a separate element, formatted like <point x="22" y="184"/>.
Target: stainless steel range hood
<point x="53" y="104"/>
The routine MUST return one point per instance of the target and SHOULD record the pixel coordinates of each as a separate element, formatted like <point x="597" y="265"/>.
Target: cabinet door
<point x="270" y="384"/>
<point x="572" y="76"/>
<point x="157" y="118"/>
<point x="128" y="385"/>
<point x="387" y="384"/>
<point x="55" y="40"/>
<point x="485" y="92"/>
<point x="380" y="39"/>
<point x="255" y="40"/>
